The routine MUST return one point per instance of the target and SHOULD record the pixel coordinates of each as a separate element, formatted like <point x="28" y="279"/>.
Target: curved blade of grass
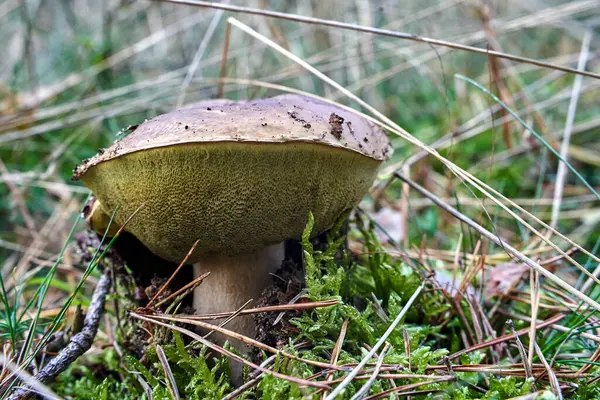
<point x="530" y="129"/>
<point x="464" y="176"/>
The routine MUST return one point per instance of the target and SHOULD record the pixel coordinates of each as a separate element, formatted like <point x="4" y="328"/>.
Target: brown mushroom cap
<point x="237" y="176"/>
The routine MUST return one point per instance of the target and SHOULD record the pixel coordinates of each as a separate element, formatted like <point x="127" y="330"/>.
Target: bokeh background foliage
<point x="73" y="73"/>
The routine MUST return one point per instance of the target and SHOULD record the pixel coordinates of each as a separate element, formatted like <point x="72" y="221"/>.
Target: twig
<point x="229" y="354"/>
<point x="500" y="242"/>
<point x="164" y="286"/>
<point x="549" y="322"/>
<point x="79" y="343"/>
<point x="378" y="31"/>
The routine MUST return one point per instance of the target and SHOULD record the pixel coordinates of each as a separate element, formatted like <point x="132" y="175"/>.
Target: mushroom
<point x="240" y="177"/>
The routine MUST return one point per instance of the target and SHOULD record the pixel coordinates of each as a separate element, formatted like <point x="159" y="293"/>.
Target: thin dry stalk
<point x="171" y="384"/>
<point x="377" y="345"/>
<point x="561" y="173"/>
<point x="382" y="32"/>
<point x="535" y="306"/>
<point x="241" y="338"/>
<point x="365" y="388"/>
<point x="504" y="338"/>
<point x="229" y="354"/>
<point x="230" y="318"/>
<point x="336" y="352"/>
<point x="551" y="375"/>
<point x="166" y="284"/>
<point x="188" y="287"/>
<point x="522" y="352"/>
<point x="277" y="308"/>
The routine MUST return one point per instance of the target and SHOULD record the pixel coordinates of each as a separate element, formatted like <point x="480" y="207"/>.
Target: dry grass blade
<point x="466" y="177"/>
<point x="227" y="353"/>
<point x="336" y="352"/>
<point x="171" y="384"/>
<point x="78" y="344"/>
<point x="382" y="32"/>
<point x="551" y="375"/>
<point x="281" y="307"/>
<point x="526" y="364"/>
<point x="166" y="284"/>
<point x="365" y="388"/>
<point x="338" y="390"/>
<point x="501" y="339"/>
<point x="241" y="338"/>
<point x="561" y="173"/>
<point x="497" y="240"/>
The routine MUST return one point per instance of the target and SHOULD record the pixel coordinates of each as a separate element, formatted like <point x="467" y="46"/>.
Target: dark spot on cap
<point x="335" y="122"/>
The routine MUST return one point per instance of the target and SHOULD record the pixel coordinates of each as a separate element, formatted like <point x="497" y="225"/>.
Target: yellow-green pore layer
<point x="233" y="197"/>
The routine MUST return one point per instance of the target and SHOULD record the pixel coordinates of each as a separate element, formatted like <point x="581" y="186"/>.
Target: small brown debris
<point x="336" y="125"/>
<point x="294" y="116"/>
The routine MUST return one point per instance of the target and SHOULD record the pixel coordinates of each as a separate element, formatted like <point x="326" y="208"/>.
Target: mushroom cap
<point x="238" y="176"/>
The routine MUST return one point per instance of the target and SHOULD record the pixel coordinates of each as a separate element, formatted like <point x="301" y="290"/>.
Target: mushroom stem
<point x="233" y="281"/>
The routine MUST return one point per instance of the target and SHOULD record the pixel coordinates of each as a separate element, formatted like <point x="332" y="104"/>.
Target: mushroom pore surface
<point x="237" y="176"/>
<point x="233" y="197"/>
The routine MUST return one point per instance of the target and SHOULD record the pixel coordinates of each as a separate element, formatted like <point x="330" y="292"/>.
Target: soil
<point x="287" y="282"/>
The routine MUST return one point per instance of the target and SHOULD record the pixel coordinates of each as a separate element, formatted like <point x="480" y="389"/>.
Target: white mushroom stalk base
<point x="232" y="282"/>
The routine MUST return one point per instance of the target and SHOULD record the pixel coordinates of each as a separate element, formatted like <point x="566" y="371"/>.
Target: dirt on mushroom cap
<point x="278" y="119"/>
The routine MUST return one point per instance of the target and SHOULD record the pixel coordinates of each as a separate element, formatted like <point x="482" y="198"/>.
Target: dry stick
<point x="214" y="347"/>
<point x="164" y="286"/>
<point x="198" y="280"/>
<point x="378" y="31"/>
<point x="78" y="344"/>
<point x="243" y="339"/>
<point x="365" y="388"/>
<point x="336" y="352"/>
<point x="561" y="173"/>
<point x="281" y="307"/>
<point x="377" y="345"/>
<point x="498" y="241"/>
<point x="504" y="338"/>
